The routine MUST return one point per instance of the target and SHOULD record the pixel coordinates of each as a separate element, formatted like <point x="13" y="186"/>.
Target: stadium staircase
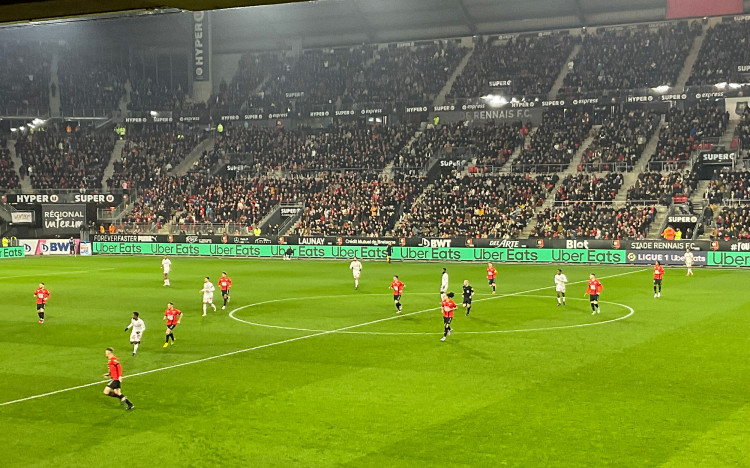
<point x="507" y="168"/>
<point x="728" y="135"/>
<point x="687" y="67"/>
<point x="641" y="165"/>
<point x="440" y="98"/>
<point x="109" y="171"/>
<point x="55" y="109"/>
<point x="563" y="73"/>
<point x="571" y="170"/>
<point x="193" y="157"/>
<point x="125" y="100"/>
<point x="25" y="181"/>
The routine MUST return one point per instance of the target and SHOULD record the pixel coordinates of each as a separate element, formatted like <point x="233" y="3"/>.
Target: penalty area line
<point x="277" y="343"/>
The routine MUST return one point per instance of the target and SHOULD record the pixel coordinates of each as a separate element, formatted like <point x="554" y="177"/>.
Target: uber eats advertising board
<point x="469" y="254"/>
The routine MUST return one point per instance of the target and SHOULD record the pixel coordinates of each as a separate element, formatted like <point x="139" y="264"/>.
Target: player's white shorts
<point x="355" y="274"/>
<point x="208" y="297"/>
<point x="166" y="271"/>
<point x="560" y="289"/>
<point x="689" y="264"/>
<point x="135" y="336"/>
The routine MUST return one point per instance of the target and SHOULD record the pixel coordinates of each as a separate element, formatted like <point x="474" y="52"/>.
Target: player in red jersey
<point x="398" y="289"/>
<point x="173" y="317"/>
<point x="448" y="307"/>
<point x="113" y="388"/>
<point x="658" y="275"/>
<point x="41" y="294"/>
<point x="491" y="275"/>
<point x="225" y="283"/>
<point x="593" y="290"/>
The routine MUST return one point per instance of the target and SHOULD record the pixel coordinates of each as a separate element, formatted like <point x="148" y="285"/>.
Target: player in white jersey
<point x="166" y="266"/>
<point x="689" y="260"/>
<point x="208" y="294"/>
<point x="560" y="280"/>
<point x="356" y="267"/>
<point x="444" y="283"/>
<point x="138" y="326"/>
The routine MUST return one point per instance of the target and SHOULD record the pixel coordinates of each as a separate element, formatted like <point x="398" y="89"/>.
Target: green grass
<point x="666" y="386"/>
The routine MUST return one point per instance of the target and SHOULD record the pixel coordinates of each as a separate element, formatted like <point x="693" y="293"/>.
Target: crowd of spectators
<point x="589" y="187"/>
<point x="637" y="56"/>
<point x="8" y="175"/>
<point x="356" y="146"/>
<point x="477" y="205"/>
<point x="24" y="78"/>
<point x="727" y="186"/>
<point x="150" y="152"/>
<point x="620" y="141"/>
<point x="732" y="223"/>
<point x="684" y="131"/>
<point x="64" y="159"/>
<point x="90" y="85"/>
<point x="594" y="221"/>
<point x="353" y="204"/>
<point x="491" y="142"/>
<point x="252" y="71"/>
<point x="725" y="47"/>
<point x="530" y="62"/>
<point x="555" y="142"/>
<point x="660" y="188"/>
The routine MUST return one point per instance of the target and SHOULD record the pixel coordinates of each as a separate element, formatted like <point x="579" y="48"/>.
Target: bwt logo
<point x="55" y="246"/>
<point x="436" y="242"/>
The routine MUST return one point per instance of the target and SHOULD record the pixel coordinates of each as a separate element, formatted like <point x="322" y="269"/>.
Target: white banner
<point x="22" y="217"/>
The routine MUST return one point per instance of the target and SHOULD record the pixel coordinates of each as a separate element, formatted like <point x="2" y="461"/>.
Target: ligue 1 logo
<point x="540" y="243"/>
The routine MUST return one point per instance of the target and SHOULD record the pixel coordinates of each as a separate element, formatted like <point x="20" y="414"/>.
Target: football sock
<point x="171" y="336"/>
<point x="660" y="288"/>
<point x="654" y="289"/>
<point x="225" y="300"/>
<point x="167" y="340"/>
<point x="559" y="301"/>
<point x="468" y="309"/>
<point x="356" y="283"/>
<point x="41" y="315"/>
<point x="135" y="347"/>
<point x="593" y="307"/>
<point x="214" y="306"/>
<point x="204" y="308"/>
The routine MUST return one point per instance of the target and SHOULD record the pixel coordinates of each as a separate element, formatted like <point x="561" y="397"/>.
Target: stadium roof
<point x="341" y="22"/>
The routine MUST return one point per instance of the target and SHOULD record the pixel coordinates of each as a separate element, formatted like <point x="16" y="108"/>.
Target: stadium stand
<point x="732" y="223"/>
<point x="555" y="142"/>
<point x="90" y="84"/>
<point x="620" y="141"/>
<point x="65" y="160"/>
<point x="685" y="130"/>
<point x="660" y="188"/>
<point x="530" y="62"/>
<point x="638" y="56"/>
<point x="8" y="176"/>
<point x="724" y="48"/>
<point x="589" y="187"/>
<point x="24" y="78"/>
<point x="594" y="221"/>
<point x="728" y="186"/>
<point x="477" y="205"/>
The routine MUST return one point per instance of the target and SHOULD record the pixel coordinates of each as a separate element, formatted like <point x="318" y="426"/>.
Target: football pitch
<point x="302" y="370"/>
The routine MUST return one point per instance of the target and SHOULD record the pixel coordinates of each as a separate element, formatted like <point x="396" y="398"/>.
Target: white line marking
<point x="43" y="275"/>
<point x="498" y="296"/>
<point x="268" y="345"/>
<point x="478" y="332"/>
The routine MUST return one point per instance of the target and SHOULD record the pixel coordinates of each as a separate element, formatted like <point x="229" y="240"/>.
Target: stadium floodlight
<point x="721" y="85"/>
<point x="661" y="89"/>
<point x="495" y="100"/>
